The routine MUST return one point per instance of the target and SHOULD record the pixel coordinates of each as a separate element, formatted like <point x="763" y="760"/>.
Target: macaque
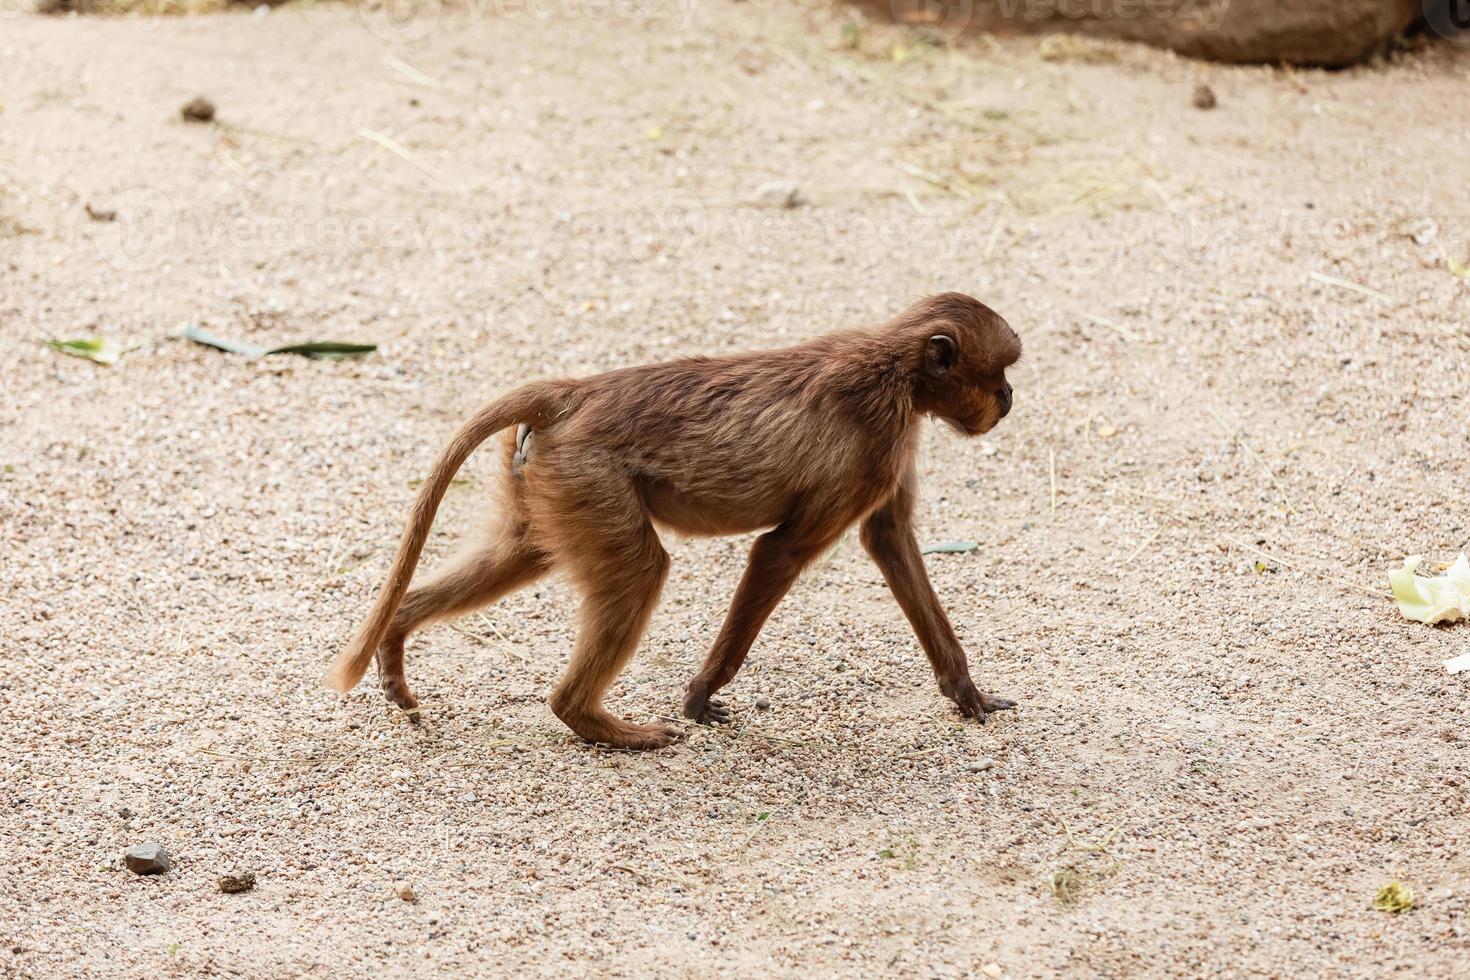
<point x="798" y="443"/>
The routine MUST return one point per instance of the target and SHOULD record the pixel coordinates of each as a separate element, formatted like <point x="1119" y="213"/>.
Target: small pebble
<point x="1204" y="97"/>
<point x="147" y="859"/>
<point x="980" y="765"/>
<point x="198" y="110"/>
<point x="405" y="892"/>
<point x="763" y="703"/>
<point x="236" y="883"/>
<point x="779" y="194"/>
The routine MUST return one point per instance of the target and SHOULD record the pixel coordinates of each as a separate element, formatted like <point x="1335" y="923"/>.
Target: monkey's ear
<point x="940" y="353"/>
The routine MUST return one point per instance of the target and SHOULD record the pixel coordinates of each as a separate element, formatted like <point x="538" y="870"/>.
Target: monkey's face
<point x="966" y="354"/>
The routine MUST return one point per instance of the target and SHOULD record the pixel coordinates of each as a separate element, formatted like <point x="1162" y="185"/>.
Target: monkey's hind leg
<point x="479" y="577"/>
<point x="620" y="580"/>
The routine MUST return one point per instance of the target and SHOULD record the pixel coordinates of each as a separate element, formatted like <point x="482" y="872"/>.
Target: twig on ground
<point x="1355" y="287"/>
<point x="1139" y="550"/>
<point x="1117" y="328"/>
<point x="1298" y="566"/>
<point x="1051" y="456"/>
<point x="398" y="149"/>
<point x="1239" y="440"/>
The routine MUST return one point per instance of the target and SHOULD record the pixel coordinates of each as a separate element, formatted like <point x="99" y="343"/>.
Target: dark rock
<point x="1204" y="97"/>
<point x="198" y="110"/>
<point x="147" y="859"/>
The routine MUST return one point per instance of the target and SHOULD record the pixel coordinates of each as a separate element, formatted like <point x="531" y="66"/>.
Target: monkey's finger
<point x="715" y="713"/>
<point x="989" y="703"/>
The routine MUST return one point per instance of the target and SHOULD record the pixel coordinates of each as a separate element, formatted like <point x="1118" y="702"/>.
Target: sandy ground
<point x="1229" y="739"/>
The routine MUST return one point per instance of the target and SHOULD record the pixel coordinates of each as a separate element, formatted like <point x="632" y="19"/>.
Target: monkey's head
<point x="962" y="349"/>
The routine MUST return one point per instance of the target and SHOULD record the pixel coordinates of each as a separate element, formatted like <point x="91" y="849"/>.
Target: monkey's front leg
<point x="776" y="559"/>
<point x="889" y="538"/>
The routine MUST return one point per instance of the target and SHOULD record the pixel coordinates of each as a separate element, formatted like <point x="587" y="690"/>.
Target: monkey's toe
<point x="700" y="707"/>
<point x="973" y="704"/>
<point x="643" y="738"/>
<point x="713" y="713"/>
<point x="395" y="689"/>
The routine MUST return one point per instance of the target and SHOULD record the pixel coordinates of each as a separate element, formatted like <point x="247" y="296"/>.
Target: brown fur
<point x="803" y="442"/>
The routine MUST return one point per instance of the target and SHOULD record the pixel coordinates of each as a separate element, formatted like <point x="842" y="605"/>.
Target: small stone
<point x="1204" y="97"/>
<point x="405" y="892"/>
<point x="146" y="859"/>
<point x="779" y="194"/>
<point x="992" y="970"/>
<point x="236" y="883"/>
<point x="1424" y="231"/>
<point x="980" y="765"/>
<point x="763" y="703"/>
<point x="198" y="110"/>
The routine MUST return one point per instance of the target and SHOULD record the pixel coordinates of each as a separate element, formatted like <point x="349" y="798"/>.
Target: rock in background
<point x="1312" y="32"/>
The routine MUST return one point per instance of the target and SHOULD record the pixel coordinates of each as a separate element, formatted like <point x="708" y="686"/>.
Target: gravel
<point x="1183" y="526"/>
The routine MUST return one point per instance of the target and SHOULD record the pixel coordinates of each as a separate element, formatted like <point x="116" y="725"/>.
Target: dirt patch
<point x="1241" y="404"/>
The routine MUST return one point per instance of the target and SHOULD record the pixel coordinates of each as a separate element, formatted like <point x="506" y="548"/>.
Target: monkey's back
<point x="720" y="445"/>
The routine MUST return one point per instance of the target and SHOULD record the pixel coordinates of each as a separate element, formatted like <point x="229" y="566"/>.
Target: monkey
<point x="799" y="444"/>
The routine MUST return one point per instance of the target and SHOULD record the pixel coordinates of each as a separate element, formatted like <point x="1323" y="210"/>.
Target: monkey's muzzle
<point x="1005" y="397"/>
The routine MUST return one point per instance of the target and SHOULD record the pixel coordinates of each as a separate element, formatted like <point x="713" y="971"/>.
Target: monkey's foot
<point x="637" y="738"/>
<point x="395" y="689"/>
<point x="601" y="728"/>
<point x="703" y="708"/>
<point x="971" y="702"/>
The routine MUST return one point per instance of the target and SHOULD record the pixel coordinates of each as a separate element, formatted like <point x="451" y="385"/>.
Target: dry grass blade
<point x="1117" y="328"/>
<point x="1299" y="567"/>
<point x="1239" y="440"/>
<point x="955" y="185"/>
<point x="647" y="876"/>
<point x="762" y="821"/>
<point x="229" y="161"/>
<point x="1051" y="462"/>
<point x="915" y="755"/>
<point x="1139" y="550"/>
<point x="410" y="72"/>
<point x="1355" y="287"/>
<point x="1100" y="847"/>
<point x="398" y="149"/>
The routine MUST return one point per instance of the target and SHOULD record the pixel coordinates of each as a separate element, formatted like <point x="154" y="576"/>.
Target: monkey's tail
<point x="534" y="404"/>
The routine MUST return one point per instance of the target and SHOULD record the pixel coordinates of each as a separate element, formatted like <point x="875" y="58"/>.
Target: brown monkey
<point x="801" y="442"/>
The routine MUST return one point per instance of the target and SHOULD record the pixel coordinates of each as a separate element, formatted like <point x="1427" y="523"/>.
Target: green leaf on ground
<point x="92" y="348"/>
<point x="318" y="350"/>
<point x="950" y="547"/>
<point x="326" y="350"/>
<point x="1394" y="897"/>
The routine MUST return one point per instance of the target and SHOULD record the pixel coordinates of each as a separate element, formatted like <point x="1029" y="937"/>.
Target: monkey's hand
<point x="703" y="708"/>
<point x="970" y="701"/>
